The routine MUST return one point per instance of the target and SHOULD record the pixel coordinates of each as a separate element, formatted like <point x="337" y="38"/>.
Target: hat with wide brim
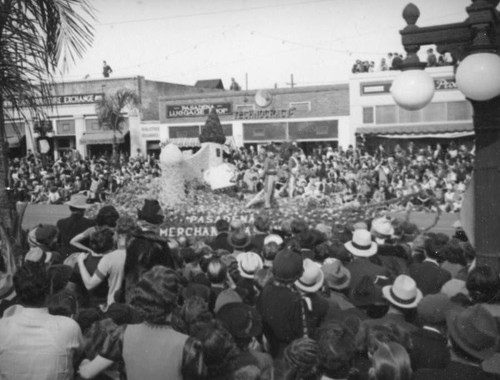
<point x="312" y="278"/>
<point x="474" y="330"/>
<point x="361" y="244"/>
<point x="403" y="292"/>
<point x="78" y="201"/>
<point x="239" y="240"/>
<point x="337" y="276"/>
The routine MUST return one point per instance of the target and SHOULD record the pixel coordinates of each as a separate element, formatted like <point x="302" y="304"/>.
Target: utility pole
<point x="291" y="83"/>
<point x="246" y="81"/>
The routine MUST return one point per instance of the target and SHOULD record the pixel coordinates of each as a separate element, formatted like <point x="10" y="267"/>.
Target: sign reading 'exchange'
<point x="193" y="110"/>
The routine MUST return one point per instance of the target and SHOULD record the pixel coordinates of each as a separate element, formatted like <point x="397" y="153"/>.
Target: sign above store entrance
<point x="193" y="110"/>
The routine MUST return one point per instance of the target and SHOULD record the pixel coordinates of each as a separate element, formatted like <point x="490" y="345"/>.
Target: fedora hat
<point x="366" y="293"/>
<point x="403" y="292"/>
<point x="312" y="279"/>
<point x="240" y="319"/>
<point x="337" y="276"/>
<point x="78" y="201"/>
<point x="361" y="244"/>
<point x="474" y="330"/>
<point x="239" y="240"/>
<point x="248" y="264"/>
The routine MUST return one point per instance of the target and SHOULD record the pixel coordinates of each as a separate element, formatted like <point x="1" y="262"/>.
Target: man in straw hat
<point x="363" y="249"/>
<point x="73" y="225"/>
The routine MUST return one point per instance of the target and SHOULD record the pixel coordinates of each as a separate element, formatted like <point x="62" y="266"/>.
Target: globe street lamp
<point x="474" y="43"/>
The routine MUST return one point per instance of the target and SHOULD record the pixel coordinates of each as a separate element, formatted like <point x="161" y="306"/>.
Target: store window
<point x="310" y="130"/>
<point x="368" y="117"/>
<point x="227" y="129"/>
<point x="406" y="116"/>
<point x="434" y="112"/>
<point x="386" y="114"/>
<point x="265" y="131"/>
<point x="184" y="131"/>
<point x="461" y="110"/>
<point x="65" y="127"/>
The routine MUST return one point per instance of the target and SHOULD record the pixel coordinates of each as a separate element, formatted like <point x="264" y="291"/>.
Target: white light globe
<point x="478" y="76"/>
<point x="412" y="89"/>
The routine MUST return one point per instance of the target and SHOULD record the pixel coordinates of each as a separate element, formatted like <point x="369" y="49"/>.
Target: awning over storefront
<point x="416" y="131"/>
<point x="103" y="137"/>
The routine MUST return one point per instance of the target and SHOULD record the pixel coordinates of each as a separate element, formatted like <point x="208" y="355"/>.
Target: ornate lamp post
<point x="474" y="43"/>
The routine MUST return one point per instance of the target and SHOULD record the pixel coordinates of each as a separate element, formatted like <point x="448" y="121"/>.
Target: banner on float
<point x="201" y="225"/>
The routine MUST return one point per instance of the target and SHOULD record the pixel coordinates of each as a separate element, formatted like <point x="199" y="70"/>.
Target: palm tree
<point x="37" y="39"/>
<point x="110" y="112"/>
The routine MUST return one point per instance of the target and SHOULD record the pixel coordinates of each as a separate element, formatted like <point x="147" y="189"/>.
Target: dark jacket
<point x="221" y="242"/>
<point x="429" y="349"/>
<point x="429" y="277"/>
<point x="455" y="371"/>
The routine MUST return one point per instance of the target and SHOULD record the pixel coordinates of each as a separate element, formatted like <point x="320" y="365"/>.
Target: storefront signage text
<point x="190" y="110"/>
<point x="384" y="88"/>
<point x="63" y="100"/>
<point x="279" y="113"/>
<point x="148" y="132"/>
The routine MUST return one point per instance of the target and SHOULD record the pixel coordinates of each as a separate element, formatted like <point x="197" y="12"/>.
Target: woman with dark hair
<point x="145" y="251"/>
<point x="483" y="285"/>
<point x="152" y="349"/>
<point x="106" y="218"/>
<point x="390" y="361"/>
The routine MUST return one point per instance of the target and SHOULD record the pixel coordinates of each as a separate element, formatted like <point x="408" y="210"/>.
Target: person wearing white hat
<point x="315" y="306"/>
<point x="403" y="297"/>
<point x="362" y="249"/>
<point x="249" y="263"/>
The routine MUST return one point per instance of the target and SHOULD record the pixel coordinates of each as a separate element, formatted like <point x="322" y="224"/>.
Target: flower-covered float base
<point x="203" y="207"/>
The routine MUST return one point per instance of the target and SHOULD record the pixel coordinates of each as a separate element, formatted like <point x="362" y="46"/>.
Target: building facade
<point x="308" y="115"/>
<point x="71" y="122"/>
<point x="376" y="116"/>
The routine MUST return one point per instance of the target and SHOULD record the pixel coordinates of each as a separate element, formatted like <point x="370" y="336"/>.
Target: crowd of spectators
<point x="393" y="61"/>
<point x="377" y="300"/>
<point x="438" y="175"/>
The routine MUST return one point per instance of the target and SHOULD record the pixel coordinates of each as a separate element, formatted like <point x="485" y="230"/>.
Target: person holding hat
<point x="363" y="251"/>
<point x="404" y="297"/>
<point x="280" y="304"/>
<point x="473" y="337"/>
<point x="73" y="225"/>
<point x="430" y="344"/>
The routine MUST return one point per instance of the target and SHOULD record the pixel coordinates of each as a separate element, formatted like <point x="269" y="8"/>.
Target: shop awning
<point x="418" y="131"/>
<point x="104" y="137"/>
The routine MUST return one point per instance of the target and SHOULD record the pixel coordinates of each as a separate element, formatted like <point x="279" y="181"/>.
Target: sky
<point x="261" y="43"/>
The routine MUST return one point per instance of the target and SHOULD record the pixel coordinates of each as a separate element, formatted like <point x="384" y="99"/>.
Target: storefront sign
<point x="150" y="132"/>
<point x="190" y="110"/>
<point x="63" y="100"/>
<point x="384" y="88"/>
<point x="278" y="113"/>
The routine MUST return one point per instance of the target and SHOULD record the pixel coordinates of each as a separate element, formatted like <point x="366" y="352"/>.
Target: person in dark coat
<point x="221" y="241"/>
<point x="363" y="250"/>
<point x="428" y="275"/>
<point x="473" y="334"/>
<point x="430" y="344"/>
<point x="73" y="225"/>
<point x="280" y="304"/>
